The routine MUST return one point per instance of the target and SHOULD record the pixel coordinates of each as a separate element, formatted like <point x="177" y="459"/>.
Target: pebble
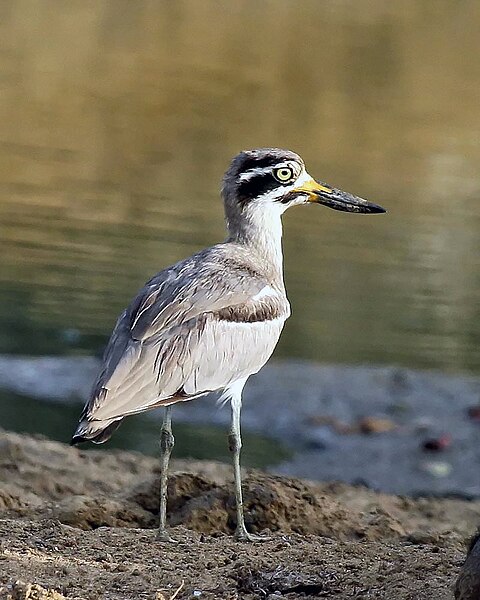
<point x="419" y="536"/>
<point x="436" y="469"/>
<point x="438" y="444"/>
<point x="370" y="425"/>
<point x="474" y="412"/>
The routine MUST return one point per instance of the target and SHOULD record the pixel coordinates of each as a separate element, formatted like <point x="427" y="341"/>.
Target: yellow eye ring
<point x="283" y="174"/>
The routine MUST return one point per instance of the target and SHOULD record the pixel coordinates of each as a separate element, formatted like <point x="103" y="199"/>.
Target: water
<point x="203" y="442"/>
<point x="118" y="119"/>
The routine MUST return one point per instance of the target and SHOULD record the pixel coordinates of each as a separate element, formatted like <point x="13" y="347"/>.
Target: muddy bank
<point x="82" y="523"/>
<point x="316" y="412"/>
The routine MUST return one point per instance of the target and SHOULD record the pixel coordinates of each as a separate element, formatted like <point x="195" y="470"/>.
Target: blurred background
<point x="118" y="119"/>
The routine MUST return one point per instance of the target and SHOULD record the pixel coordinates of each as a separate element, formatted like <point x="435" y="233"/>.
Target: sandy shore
<point x="82" y="525"/>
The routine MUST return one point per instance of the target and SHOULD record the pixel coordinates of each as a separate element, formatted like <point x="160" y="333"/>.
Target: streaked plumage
<point x="177" y="338"/>
<point x="212" y="320"/>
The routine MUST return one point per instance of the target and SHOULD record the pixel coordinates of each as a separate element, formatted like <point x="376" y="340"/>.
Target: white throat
<point x="259" y="225"/>
<point x="260" y="229"/>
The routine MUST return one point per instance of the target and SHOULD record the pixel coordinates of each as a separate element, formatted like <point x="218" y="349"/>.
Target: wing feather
<point x="170" y="344"/>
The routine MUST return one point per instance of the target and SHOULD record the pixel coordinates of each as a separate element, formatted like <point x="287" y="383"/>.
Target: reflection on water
<point x="118" y="119"/>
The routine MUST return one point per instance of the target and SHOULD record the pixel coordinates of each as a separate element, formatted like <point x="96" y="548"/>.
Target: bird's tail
<point x="95" y="431"/>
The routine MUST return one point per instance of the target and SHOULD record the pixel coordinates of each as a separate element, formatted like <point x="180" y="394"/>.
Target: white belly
<point x="232" y="351"/>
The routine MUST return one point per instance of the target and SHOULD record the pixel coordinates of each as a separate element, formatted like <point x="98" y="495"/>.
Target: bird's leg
<point x="235" y="445"/>
<point x="167" y="442"/>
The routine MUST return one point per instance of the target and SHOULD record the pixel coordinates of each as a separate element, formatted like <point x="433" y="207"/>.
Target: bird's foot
<point x="163" y="536"/>
<point x="242" y="535"/>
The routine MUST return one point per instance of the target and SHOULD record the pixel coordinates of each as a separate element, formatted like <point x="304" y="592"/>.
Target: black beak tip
<point x="376" y="208"/>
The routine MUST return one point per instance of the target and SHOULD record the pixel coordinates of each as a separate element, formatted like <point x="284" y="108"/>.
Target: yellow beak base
<point x="313" y="189"/>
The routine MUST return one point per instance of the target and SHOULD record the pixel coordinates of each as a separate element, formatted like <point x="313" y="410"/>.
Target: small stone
<point x="370" y="425"/>
<point x="474" y="412"/>
<point x="436" y="469"/>
<point x="32" y="591"/>
<point x="422" y="537"/>
<point x="437" y="444"/>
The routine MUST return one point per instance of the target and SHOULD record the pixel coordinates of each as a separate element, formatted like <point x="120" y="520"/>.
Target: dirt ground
<point x="81" y="524"/>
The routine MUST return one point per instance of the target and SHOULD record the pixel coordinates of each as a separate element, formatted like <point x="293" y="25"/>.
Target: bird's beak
<point x="322" y="193"/>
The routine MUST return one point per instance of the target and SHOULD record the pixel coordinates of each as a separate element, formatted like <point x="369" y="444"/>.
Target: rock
<point x="438" y="444"/>
<point x="467" y="586"/>
<point x="370" y="425"/>
<point x="28" y="591"/>
<point x="436" y="469"/>
<point x="474" y="412"/>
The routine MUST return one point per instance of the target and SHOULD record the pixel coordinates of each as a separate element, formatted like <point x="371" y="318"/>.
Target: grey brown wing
<point x="176" y="341"/>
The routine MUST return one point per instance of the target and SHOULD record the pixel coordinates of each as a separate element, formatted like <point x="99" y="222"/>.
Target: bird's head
<point x="277" y="179"/>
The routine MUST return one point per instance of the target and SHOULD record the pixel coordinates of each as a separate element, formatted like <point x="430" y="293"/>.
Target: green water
<point x="118" y="119"/>
<point x="57" y="421"/>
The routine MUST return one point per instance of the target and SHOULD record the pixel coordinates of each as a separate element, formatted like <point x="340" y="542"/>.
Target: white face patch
<point x="247" y="175"/>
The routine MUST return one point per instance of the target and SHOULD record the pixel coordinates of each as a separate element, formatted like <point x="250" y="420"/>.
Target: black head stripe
<point x="255" y="162"/>
<point x="258" y="178"/>
<point x="257" y="185"/>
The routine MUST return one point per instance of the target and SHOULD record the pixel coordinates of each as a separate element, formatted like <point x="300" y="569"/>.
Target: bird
<point x="210" y="321"/>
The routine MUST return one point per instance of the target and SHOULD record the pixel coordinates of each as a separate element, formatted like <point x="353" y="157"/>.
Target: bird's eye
<point x="283" y="174"/>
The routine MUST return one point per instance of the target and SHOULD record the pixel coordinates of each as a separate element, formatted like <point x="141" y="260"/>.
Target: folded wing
<point x="184" y="335"/>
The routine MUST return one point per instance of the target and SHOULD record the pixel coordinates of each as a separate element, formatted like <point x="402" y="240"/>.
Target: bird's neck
<point x="260" y="230"/>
